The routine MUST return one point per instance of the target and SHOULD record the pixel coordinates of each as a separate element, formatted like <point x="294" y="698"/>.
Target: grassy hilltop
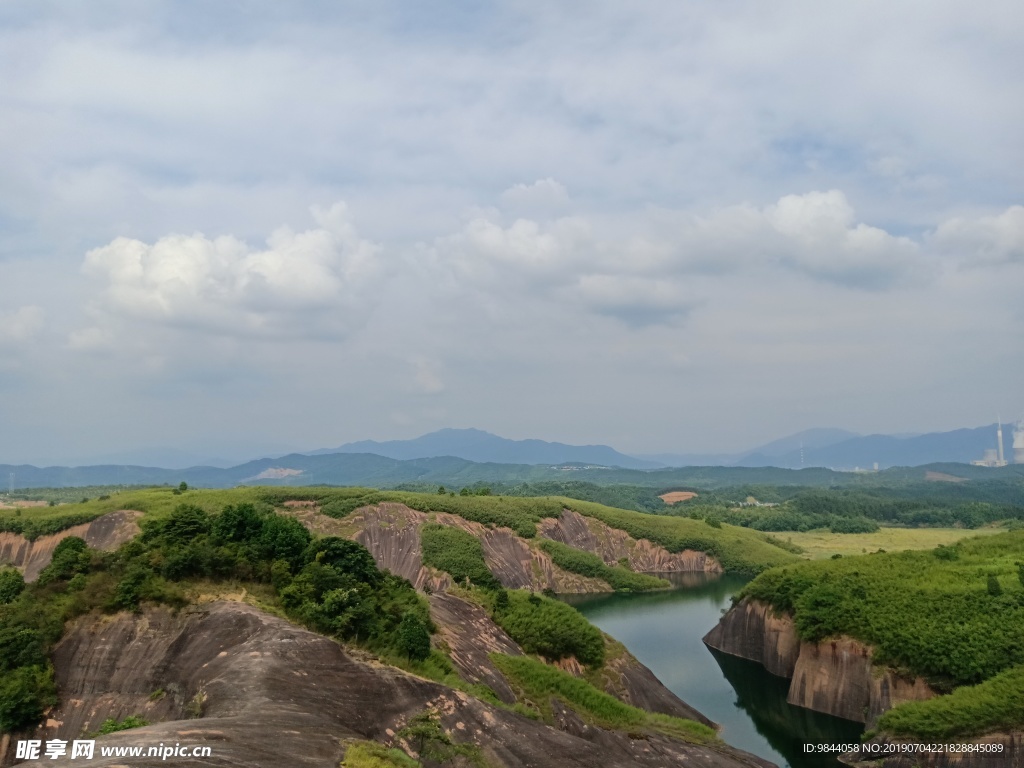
<point x="738" y="549"/>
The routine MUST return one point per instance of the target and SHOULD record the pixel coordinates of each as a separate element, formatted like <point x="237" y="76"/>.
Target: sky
<point x="240" y="228"/>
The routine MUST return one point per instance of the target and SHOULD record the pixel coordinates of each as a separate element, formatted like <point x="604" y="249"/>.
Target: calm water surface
<point x="664" y="630"/>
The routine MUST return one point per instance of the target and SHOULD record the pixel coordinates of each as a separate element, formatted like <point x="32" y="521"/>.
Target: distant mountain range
<point x="479" y="446"/>
<point x="366" y="469"/>
<point x="960" y="446"/>
<point x="466" y="456"/>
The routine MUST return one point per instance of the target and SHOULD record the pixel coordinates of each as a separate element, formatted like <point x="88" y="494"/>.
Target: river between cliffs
<point x="664" y="630"/>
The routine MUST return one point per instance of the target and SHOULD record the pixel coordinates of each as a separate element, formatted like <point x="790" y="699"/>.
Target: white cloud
<point x="21" y="326"/>
<point x="641" y="268"/>
<point x="984" y="239"/>
<point x="316" y="283"/>
<point x="544" y="196"/>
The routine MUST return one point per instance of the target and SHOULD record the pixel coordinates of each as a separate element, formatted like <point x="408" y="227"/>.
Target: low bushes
<point x="459" y="553"/>
<point x="547" y="627"/>
<point x="588" y="564"/>
<point x="539" y="682"/>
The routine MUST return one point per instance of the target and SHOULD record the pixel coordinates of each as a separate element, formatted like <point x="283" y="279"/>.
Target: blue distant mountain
<point x="477" y="445"/>
<point x="483" y="447"/>
<point x="959" y="446"/>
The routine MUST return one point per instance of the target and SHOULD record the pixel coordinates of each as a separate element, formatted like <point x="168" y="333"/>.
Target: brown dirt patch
<point x="676" y="496"/>
<point x="942" y="477"/>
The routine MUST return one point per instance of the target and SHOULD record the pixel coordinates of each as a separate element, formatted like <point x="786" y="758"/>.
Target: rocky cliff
<point x="613" y="545"/>
<point x="391" y="532"/>
<point x="836" y="676"/>
<point x="107" y="533"/>
<point x="262" y="692"/>
<point x="752" y="631"/>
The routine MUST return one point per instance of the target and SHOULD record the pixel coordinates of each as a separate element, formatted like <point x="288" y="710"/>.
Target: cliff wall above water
<point x="836" y="676"/>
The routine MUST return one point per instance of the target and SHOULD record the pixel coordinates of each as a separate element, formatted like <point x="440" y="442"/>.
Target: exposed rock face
<point x="837" y="676"/>
<point x="612" y="545"/>
<point x="107" y="533"/>
<point x="628" y="679"/>
<point x="391" y="532"/>
<point x="271" y="694"/>
<point x="470" y="635"/>
<point x="517" y="565"/>
<point x="752" y="631"/>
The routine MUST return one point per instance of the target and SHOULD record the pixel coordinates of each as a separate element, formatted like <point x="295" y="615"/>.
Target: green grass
<point x="737" y="549"/>
<point x="587" y="564"/>
<point x="822" y="544"/>
<point x="457" y="552"/>
<point x="370" y="754"/>
<point x="996" y="704"/>
<point x="538" y="682"/>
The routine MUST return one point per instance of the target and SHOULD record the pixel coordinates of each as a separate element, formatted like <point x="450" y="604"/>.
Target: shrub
<point x="25" y="693"/>
<point x="618" y="577"/>
<point x="457" y="552"/>
<point x="550" y="628"/>
<point x="110" y="725"/>
<point x="70" y="556"/>
<point x="413" y="639"/>
<point x="12" y="583"/>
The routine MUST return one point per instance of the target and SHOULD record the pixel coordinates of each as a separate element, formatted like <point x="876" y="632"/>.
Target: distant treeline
<point x="800" y="508"/>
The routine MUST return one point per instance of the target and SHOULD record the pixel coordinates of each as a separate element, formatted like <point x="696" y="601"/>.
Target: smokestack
<point x="1018" y="443"/>
<point x="999" y="441"/>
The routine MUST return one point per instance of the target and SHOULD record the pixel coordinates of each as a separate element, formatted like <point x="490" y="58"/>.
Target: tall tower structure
<point x="1018" y="443"/>
<point x="999" y="441"/>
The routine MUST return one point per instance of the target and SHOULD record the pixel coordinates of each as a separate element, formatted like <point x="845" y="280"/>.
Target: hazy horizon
<point x="664" y="228"/>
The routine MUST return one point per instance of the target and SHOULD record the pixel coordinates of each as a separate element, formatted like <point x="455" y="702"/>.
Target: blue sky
<point x="245" y="227"/>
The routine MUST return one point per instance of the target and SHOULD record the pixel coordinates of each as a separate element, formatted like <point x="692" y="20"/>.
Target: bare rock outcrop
<point x="107" y="533"/>
<point x="838" y="677"/>
<point x="627" y="679"/>
<point x="752" y="630"/>
<point x="517" y="565"/>
<point x="470" y="636"/>
<point x="613" y="545"/>
<point x="269" y="694"/>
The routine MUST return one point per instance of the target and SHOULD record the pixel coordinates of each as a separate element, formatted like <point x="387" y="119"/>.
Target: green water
<point x="664" y="630"/>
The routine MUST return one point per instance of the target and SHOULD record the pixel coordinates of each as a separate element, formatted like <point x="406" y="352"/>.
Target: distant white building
<point x="993" y="457"/>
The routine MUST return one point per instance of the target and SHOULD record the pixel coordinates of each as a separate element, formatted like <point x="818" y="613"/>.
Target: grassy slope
<point x="821" y="544"/>
<point x="738" y="549"/>
<point x="537" y="683"/>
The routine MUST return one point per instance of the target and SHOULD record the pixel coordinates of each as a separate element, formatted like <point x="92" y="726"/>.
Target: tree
<point x="182" y="486"/>
<point x="11" y="585"/>
<point x="241" y="523"/>
<point x="413" y="639"/>
<point x="346" y="556"/>
<point x="994" y="587"/>
<point x="25" y="694"/>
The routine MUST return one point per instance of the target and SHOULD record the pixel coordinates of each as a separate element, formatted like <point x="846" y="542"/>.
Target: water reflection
<point x="664" y="630"/>
<point x="762" y="696"/>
